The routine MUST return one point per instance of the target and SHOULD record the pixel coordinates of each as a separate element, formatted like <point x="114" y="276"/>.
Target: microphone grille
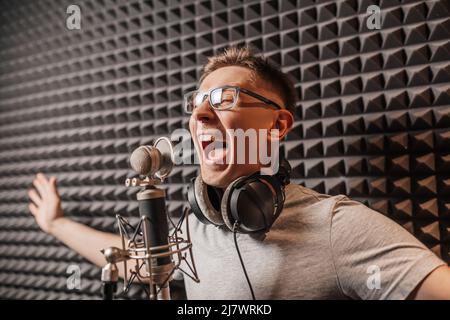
<point x="145" y="160"/>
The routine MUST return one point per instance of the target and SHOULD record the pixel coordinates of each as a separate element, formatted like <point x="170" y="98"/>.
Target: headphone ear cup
<point x="201" y="204"/>
<point x="253" y="202"/>
<point x="225" y="204"/>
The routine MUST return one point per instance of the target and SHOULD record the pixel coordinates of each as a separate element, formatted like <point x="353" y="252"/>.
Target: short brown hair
<point x="261" y="66"/>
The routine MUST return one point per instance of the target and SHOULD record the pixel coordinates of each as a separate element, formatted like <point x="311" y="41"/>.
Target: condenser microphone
<point x="150" y="245"/>
<point x="153" y="161"/>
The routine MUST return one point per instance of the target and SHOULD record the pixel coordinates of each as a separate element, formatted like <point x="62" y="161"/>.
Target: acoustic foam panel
<point x="372" y="122"/>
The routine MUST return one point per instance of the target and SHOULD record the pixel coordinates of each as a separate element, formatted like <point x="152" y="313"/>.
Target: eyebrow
<point x="237" y="84"/>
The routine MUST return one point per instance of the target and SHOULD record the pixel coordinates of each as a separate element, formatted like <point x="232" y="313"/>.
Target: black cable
<point x="242" y="261"/>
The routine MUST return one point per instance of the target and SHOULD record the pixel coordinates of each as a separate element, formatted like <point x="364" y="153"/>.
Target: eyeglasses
<point x="222" y="98"/>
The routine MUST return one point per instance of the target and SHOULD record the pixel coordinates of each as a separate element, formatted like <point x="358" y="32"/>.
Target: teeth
<point x="206" y="137"/>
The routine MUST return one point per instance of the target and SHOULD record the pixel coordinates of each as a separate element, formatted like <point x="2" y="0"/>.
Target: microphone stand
<point x="110" y="272"/>
<point x="150" y="245"/>
<point x="110" y="276"/>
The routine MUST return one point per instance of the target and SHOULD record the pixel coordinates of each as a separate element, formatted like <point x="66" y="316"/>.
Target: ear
<point x="283" y="122"/>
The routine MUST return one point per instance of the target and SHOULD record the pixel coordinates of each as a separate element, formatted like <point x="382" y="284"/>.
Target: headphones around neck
<point x="249" y="204"/>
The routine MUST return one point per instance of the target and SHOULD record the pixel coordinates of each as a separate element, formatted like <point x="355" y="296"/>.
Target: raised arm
<point x="46" y="208"/>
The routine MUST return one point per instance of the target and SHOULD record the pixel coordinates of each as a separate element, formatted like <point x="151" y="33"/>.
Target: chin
<point x="221" y="177"/>
<point x="215" y="178"/>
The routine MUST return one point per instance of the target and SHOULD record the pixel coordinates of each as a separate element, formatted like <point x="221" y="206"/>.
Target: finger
<point x="53" y="185"/>
<point x="39" y="186"/>
<point x="35" y="197"/>
<point x="52" y="182"/>
<point x="43" y="179"/>
<point x="33" y="209"/>
<point x="41" y="176"/>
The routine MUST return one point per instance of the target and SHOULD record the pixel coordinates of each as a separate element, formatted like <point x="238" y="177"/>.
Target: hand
<point x="45" y="205"/>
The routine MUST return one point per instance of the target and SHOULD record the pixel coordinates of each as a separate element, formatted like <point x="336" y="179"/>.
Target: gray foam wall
<point x="372" y="120"/>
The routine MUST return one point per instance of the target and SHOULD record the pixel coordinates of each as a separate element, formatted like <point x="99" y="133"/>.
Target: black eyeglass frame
<point x="238" y="90"/>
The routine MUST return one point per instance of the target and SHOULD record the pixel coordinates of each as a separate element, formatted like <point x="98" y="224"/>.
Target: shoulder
<point x="302" y="199"/>
<point x="310" y="207"/>
<point x="306" y="208"/>
<point x="333" y="206"/>
<point x="347" y="211"/>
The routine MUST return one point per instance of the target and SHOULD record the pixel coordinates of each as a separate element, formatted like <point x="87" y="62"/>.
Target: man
<point x="320" y="247"/>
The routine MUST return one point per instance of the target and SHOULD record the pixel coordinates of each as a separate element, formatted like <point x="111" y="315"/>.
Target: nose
<point x="203" y="112"/>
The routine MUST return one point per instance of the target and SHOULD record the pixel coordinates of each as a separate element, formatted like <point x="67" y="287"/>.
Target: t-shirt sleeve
<point x="373" y="256"/>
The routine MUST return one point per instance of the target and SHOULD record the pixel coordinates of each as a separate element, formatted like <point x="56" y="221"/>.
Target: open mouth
<point x="214" y="144"/>
<point x="214" y="150"/>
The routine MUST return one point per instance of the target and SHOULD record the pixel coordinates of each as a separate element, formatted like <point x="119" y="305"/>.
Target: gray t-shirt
<point x="320" y="247"/>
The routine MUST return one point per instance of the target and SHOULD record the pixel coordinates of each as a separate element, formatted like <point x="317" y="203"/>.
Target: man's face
<point x="249" y="113"/>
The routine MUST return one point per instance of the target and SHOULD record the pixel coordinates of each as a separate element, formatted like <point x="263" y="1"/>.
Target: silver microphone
<point x="150" y="243"/>
<point x="153" y="161"/>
